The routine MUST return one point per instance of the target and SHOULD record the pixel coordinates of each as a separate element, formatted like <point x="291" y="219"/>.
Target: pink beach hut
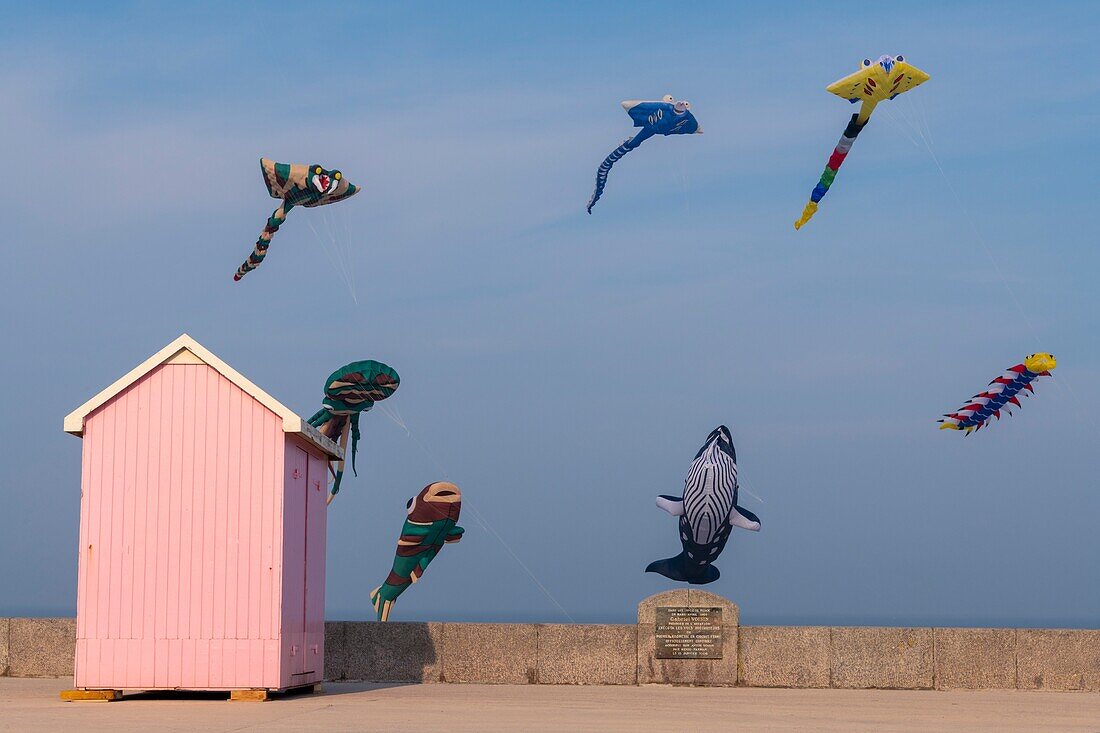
<point x="202" y="532"/>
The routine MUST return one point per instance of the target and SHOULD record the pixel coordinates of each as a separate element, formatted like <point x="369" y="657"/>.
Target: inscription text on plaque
<point x="689" y="633"/>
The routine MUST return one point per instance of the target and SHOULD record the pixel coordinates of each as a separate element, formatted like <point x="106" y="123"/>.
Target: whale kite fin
<point x="710" y="575"/>
<point x="674" y="505"/>
<point x="744" y="519"/>
<point x="675" y="568"/>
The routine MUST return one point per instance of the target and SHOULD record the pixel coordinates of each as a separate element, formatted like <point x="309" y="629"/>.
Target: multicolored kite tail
<point x="873" y="83"/>
<point x="975" y="414"/>
<point x="840" y="152"/>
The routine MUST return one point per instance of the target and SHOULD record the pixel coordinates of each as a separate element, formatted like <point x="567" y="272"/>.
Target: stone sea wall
<point x="861" y="657"/>
<point x="624" y="654"/>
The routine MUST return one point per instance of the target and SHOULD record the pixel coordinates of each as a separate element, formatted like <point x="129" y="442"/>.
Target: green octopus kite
<point x="431" y="522"/>
<point x="296" y="185"/>
<point x="349" y="391"/>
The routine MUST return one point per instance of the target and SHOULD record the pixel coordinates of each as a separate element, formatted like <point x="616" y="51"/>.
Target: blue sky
<point x="564" y="368"/>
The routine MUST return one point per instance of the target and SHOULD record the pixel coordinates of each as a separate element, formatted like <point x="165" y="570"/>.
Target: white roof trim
<point x="181" y="351"/>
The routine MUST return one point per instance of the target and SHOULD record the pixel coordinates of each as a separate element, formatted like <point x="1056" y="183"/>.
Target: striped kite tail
<point x="384" y="596"/>
<point x="605" y="168"/>
<point x="258" y="254"/>
<point x="835" y="160"/>
<point x="381" y="605"/>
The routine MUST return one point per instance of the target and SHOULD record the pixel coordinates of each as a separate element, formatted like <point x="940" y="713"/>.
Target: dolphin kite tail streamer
<point x="258" y="254"/>
<point x="840" y="152"/>
<point x="605" y="167"/>
<point x="1001" y="392"/>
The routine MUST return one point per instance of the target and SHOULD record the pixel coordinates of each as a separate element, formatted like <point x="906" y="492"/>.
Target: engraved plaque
<point x="689" y="633"/>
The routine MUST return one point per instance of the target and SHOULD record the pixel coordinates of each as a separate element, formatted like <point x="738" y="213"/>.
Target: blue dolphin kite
<point x="667" y="117"/>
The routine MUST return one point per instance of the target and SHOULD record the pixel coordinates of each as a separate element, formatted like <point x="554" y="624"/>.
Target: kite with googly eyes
<point x="875" y="82"/>
<point x="667" y="117"/>
<point x="297" y="185"/>
<point x="999" y="394"/>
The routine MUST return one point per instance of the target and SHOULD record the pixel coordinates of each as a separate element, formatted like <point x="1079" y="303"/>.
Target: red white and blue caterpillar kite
<point x="1001" y="391"/>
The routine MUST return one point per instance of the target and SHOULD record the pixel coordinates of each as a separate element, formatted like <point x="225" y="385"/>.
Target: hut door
<point x="317" y="489"/>
<point x="297" y="517"/>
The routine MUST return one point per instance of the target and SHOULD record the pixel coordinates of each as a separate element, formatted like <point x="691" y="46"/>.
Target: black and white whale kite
<point x="708" y="511"/>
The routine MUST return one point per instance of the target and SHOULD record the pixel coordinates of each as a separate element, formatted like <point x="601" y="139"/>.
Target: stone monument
<point x="687" y="637"/>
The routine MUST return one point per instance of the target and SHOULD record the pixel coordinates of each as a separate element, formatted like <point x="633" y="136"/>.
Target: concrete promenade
<point x="30" y="705"/>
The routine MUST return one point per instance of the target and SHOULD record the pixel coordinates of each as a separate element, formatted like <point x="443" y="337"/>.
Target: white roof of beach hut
<point x="186" y="350"/>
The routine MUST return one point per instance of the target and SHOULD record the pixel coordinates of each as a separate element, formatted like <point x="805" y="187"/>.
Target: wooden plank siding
<point x="181" y="531"/>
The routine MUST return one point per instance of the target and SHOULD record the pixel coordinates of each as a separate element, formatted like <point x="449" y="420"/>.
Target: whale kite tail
<point x="676" y="568"/>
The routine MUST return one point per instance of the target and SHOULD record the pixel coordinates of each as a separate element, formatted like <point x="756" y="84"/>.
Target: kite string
<point x="1062" y="382"/>
<point x="743" y="485"/>
<point x="347" y="240"/>
<point x="964" y="210"/>
<point x="342" y="246"/>
<point x="393" y="415"/>
<point x="927" y="140"/>
<point x="326" y="230"/>
<point x="324" y="245"/>
<point x="334" y="257"/>
<point x="904" y="128"/>
<point x="920" y="117"/>
<point x="684" y="184"/>
<point x="485" y="525"/>
<point x="334" y="260"/>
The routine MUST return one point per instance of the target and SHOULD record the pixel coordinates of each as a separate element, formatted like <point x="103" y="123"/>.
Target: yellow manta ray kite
<point x="874" y="82"/>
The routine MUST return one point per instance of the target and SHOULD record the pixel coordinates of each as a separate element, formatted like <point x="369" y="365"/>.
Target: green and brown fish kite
<point x="297" y="185"/>
<point x="349" y="391"/>
<point x="431" y="523"/>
